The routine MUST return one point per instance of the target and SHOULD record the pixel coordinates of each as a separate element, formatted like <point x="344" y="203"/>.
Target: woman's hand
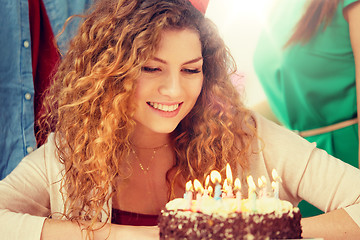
<point x="68" y="230"/>
<point x="336" y="224"/>
<point x="135" y="232"/>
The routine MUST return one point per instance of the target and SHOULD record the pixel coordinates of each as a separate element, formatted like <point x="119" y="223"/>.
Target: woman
<point x="142" y="103"/>
<point x="307" y="60"/>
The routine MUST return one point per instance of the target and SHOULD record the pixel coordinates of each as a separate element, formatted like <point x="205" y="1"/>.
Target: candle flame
<point x="251" y="183"/>
<point x="275" y="175"/>
<point x="260" y="182"/>
<point x="229" y="176"/>
<point x="207" y="180"/>
<point x="188" y="186"/>
<point x="215" y="176"/>
<point x="273" y="185"/>
<point x="263" y="179"/>
<point x="237" y="184"/>
<point x="197" y="186"/>
<point x="210" y="190"/>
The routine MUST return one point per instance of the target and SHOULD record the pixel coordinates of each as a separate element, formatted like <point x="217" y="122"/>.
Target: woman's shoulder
<point x="44" y="160"/>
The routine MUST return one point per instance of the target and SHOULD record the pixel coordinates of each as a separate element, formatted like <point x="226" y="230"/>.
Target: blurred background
<point x="239" y="23"/>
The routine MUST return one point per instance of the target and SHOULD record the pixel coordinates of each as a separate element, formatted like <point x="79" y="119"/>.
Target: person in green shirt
<point x="307" y="59"/>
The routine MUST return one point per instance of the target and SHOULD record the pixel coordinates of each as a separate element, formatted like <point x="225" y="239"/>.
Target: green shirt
<point x="312" y="85"/>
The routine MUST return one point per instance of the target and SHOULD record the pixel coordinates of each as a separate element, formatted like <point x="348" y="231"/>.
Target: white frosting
<point x="223" y="207"/>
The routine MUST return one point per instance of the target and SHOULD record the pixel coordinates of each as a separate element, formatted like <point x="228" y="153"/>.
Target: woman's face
<point x="170" y="82"/>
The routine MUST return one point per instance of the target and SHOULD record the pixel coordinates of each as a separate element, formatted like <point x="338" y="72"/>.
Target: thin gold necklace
<point x="142" y="167"/>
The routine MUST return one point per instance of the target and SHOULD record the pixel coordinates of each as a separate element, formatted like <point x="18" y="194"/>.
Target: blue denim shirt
<point x="16" y="79"/>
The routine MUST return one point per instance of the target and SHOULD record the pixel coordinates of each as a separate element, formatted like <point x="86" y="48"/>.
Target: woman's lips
<point x="165" y="110"/>
<point x="164" y="107"/>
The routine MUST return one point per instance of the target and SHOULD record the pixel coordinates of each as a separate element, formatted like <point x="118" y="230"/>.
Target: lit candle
<point x="237" y="188"/>
<point x="276" y="184"/>
<point x="229" y="178"/>
<point x="188" y="195"/>
<point x="210" y="190"/>
<point x="216" y="179"/>
<point x="199" y="190"/>
<point x="275" y="187"/>
<point x="251" y="193"/>
<point x="206" y="191"/>
<point x="262" y="186"/>
<point x="225" y="189"/>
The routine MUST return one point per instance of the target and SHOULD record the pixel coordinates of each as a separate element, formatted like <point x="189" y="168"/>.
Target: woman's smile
<point x="165" y="110"/>
<point x="164" y="107"/>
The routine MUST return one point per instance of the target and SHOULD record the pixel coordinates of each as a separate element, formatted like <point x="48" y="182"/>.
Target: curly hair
<point x="90" y="104"/>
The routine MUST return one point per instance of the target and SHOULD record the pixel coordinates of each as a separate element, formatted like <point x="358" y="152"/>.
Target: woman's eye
<point x="191" y="71"/>
<point x="150" y="69"/>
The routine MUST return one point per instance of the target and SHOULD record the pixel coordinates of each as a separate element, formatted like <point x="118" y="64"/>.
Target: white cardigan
<point x="31" y="192"/>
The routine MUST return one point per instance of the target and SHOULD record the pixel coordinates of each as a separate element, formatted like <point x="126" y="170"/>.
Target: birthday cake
<point x="221" y="219"/>
<point x="229" y="217"/>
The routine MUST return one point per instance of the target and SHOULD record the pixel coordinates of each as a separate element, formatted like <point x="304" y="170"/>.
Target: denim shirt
<point x="16" y="78"/>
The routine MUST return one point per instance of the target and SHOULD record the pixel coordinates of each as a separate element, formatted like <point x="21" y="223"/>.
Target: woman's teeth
<point x="165" y="108"/>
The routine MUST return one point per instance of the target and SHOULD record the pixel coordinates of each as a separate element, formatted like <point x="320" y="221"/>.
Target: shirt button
<point x="26" y="44"/>
<point x="27" y="96"/>
<point x="29" y="149"/>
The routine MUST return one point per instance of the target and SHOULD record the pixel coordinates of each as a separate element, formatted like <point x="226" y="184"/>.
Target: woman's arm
<point x="60" y="229"/>
<point x="336" y="224"/>
<point x="25" y="199"/>
<point x="324" y="181"/>
<point x="32" y="192"/>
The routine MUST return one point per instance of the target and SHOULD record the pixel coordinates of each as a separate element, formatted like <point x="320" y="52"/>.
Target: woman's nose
<point x="170" y="85"/>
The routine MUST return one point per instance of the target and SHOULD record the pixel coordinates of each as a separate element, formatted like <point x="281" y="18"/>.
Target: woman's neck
<point x="145" y="138"/>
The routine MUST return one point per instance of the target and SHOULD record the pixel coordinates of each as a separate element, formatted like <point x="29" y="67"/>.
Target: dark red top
<point x="134" y="219"/>
<point x="44" y="53"/>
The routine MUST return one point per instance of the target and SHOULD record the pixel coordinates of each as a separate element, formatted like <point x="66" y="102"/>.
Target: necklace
<point x="154" y="150"/>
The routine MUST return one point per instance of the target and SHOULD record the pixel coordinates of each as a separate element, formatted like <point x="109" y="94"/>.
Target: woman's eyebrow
<point x="188" y="62"/>
<point x="194" y="60"/>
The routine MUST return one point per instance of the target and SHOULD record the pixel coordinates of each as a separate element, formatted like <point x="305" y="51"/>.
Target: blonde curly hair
<point x="90" y="104"/>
